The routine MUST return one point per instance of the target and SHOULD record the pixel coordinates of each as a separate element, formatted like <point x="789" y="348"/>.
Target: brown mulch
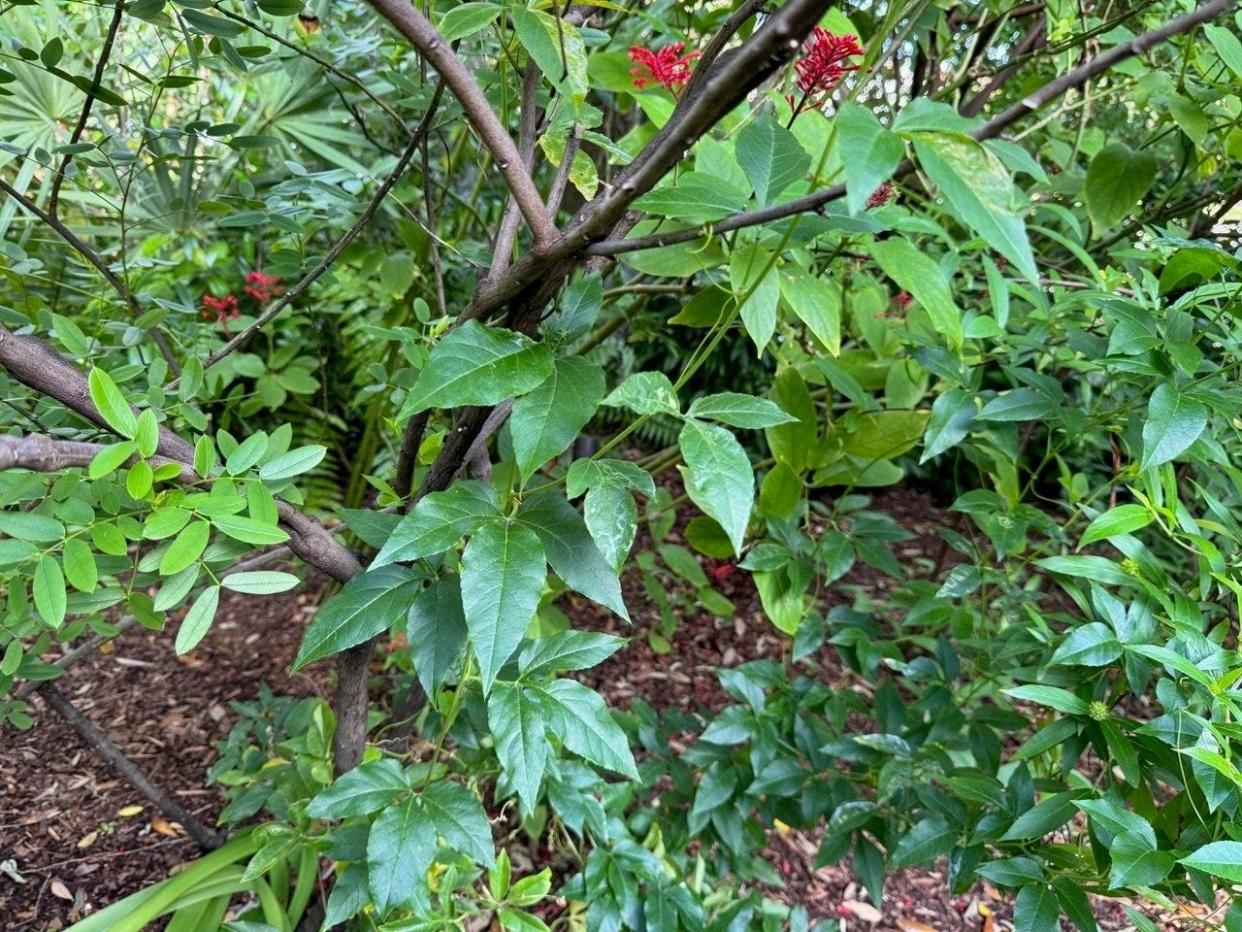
<point x="81" y="838"/>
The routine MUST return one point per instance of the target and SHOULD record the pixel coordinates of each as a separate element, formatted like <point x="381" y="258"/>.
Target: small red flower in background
<point x="823" y="66"/>
<point x="667" y="67"/>
<point x="902" y="300"/>
<point x="221" y="310"/>
<point x="881" y="195"/>
<point x="263" y="287"/>
<point x="720" y="570"/>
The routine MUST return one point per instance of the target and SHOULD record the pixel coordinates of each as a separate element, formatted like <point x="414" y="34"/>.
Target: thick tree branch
<point x="53" y="201"/>
<point x="993" y="127"/>
<point x="424" y="37"/>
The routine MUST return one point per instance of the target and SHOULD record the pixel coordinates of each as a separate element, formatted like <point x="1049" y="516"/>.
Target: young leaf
<point x="368" y="603"/>
<point x="1124" y="519"/>
<point x="645" y="393"/>
<point x="186" y="547"/>
<point x="816" y="303"/>
<point x="367" y="788"/>
<point x="502" y="576"/>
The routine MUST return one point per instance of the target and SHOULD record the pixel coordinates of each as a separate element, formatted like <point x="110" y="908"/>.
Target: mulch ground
<point x="79" y="838"/>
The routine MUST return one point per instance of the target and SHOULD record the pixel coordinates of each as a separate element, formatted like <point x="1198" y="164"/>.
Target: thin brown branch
<point x="92" y="257"/>
<point x="424" y="37"/>
<point x="993" y="127"/>
<point x="561" y="181"/>
<point x="99" y="743"/>
<point x="105" y="51"/>
<point x="416" y="141"/>
<point x="528" y="126"/>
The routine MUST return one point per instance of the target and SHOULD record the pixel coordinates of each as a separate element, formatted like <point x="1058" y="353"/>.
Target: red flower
<point x="902" y="300"/>
<point x="221" y="310"/>
<point x="823" y="66"/>
<point x="263" y="287"/>
<point x="881" y="195"/>
<point x="720" y="570"/>
<point x="667" y="67"/>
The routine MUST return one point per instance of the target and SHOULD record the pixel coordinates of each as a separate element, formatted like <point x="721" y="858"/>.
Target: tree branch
<point x="53" y="201"/>
<point x="528" y="126"/>
<point x="87" y="253"/>
<point x="993" y="127"/>
<point x="423" y="36"/>
<point x="416" y="140"/>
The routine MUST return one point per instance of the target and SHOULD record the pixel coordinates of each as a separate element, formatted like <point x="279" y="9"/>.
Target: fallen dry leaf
<point x="61" y="891"/>
<point x="88" y="839"/>
<point x="164" y="827"/>
<point x="913" y="925"/>
<point x="129" y="812"/>
<point x="864" y="911"/>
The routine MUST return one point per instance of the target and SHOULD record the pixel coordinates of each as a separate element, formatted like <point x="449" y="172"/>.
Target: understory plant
<point x="499" y="321"/>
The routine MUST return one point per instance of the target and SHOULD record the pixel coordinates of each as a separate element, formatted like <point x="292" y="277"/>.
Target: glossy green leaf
<point x="1173" y="423"/>
<point x="112" y="406"/>
<point x="49" y="591"/>
<point x="719" y="478"/>
<point x="400" y="849"/>
<point x="367" y="604"/>
<point x="197" y="621"/>
<point x="547" y="420"/>
<point x="436" y="630"/>
<point x="439" y="521"/>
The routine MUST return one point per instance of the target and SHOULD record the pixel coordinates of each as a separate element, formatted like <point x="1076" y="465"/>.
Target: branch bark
<point x="423" y="36"/>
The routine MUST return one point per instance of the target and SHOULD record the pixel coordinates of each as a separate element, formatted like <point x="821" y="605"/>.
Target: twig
<point x="89" y="254"/>
<point x="99" y="743"/>
<point x="424" y="37"/>
<point x="991" y="128"/>
<point x="346" y="238"/>
<point x="528" y="125"/>
<point x="53" y="201"/>
<point x="561" y="181"/>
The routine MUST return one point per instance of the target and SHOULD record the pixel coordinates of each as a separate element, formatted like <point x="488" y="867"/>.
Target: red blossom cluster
<point x="221" y="310"/>
<point x="263" y="287"/>
<point x="720" y="570"/>
<point x="902" y="300"/>
<point x="882" y="195"/>
<point x="666" y="67"/>
<point x="824" y="64"/>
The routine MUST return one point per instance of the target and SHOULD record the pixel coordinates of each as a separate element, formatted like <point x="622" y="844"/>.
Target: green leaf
<point x="720" y="479"/>
<point x="112" y="405"/>
<point x="1089" y="645"/>
<point x="548" y="420"/>
<point x="186" y="547"/>
<point x="571" y="551"/>
<point x="952" y="414"/>
<point x="400" y="849"/>
<point x="581" y="720"/>
<point x="147" y="433"/>
<point x="1052" y="696"/>
<point x="1228" y="46"/>
<point x="1098" y="569"/>
<point x="367" y="788"/>
<point x="49" y="591"/>
<point x="814" y="302"/>
<point x="1036" y="909"/>
<point x="770" y="156"/>
<point x="436" y="629"/>
<point x="457" y="816"/>
<point x="1124" y="519"/>
<point x="247" y="454"/>
<point x="465" y="19"/>
<point x="249" y="530"/>
<point x="293" y="463"/>
<point x="110" y="458"/>
<point x="978" y="187"/>
<point x="139" y="480"/>
<point x="738" y="410"/>
<point x="260" y="582"/>
<point x="645" y="393"/>
<point x="1174" y="422"/>
<point x="929" y="839"/>
<point x="567" y="650"/>
<point x="478" y="365"/>
<point x="1137" y="862"/>
<point x="1019" y="404"/>
<point x="197" y="621"/>
<point x="1221" y="859"/>
<point x="439" y="521"/>
<point x="1117" y="179"/>
<point x="757" y="288"/>
<point x="695" y="197"/>
<point x="869" y="153"/>
<point x="365" y="606"/>
<point x="80" y="567"/>
<point x="917" y="273"/>
<point x="27" y="525"/>
<point x="612" y="518"/>
<point x="518" y="724"/>
<point x="502" y="576"/>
